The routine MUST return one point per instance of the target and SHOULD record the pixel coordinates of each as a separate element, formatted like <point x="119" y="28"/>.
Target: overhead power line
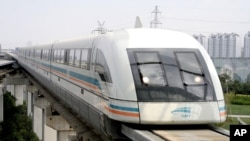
<point x="206" y="21"/>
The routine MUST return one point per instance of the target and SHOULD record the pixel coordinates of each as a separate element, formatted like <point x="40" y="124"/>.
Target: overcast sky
<point x="34" y="22"/>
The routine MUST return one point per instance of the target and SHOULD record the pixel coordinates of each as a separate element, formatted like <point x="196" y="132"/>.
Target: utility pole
<point x="155" y="22"/>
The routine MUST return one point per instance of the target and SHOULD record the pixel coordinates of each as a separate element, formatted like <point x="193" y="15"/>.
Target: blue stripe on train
<point x="85" y="78"/>
<point x="124" y="108"/>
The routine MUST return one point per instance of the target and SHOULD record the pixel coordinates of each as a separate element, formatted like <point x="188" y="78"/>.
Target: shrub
<point x="241" y="100"/>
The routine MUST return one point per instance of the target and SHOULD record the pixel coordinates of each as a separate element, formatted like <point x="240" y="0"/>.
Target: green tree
<point x="224" y="79"/>
<point x="237" y="77"/>
<point x="248" y="78"/>
<point x="247" y="88"/>
<point x="17" y="126"/>
<point x="235" y="86"/>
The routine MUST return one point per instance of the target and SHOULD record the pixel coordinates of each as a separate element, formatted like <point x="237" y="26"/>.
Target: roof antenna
<point x="100" y="29"/>
<point x="138" y="23"/>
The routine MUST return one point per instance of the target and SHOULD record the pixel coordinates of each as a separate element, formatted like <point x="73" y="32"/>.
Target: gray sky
<point x="41" y="21"/>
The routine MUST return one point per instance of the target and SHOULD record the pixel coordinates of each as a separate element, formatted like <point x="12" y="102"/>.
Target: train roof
<point x="162" y="38"/>
<point x="135" y="38"/>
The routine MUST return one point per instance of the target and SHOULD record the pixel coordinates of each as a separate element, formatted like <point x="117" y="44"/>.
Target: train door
<point x="93" y="55"/>
<point x="51" y="58"/>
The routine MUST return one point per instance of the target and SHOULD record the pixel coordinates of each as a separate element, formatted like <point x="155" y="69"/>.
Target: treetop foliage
<point x="235" y="86"/>
<point x="17" y="126"/>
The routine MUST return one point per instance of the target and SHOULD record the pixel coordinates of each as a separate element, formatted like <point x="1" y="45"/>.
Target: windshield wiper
<point x="194" y="73"/>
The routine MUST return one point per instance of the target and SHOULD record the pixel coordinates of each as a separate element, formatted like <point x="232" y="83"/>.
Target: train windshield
<point x="173" y="75"/>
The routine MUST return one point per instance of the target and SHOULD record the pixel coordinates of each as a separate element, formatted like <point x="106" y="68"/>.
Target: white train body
<point x="140" y="76"/>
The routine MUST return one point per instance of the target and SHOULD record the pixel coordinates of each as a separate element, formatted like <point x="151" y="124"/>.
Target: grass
<point x="246" y="120"/>
<point x="233" y="109"/>
<point x="228" y="122"/>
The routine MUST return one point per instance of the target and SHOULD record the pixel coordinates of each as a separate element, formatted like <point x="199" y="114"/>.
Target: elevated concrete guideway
<point x="4" y="62"/>
<point x="83" y="131"/>
<point x="51" y="120"/>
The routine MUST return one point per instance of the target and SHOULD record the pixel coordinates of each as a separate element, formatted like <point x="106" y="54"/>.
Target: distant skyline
<point x="24" y="22"/>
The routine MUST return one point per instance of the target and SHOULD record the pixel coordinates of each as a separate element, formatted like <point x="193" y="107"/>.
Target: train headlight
<point x="198" y="79"/>
<point x="145" y="80"/>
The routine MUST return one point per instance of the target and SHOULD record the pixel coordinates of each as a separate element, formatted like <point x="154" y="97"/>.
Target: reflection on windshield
<point x="150" y="70"/>
<point x="188" y="62"/>
<point x="152" y="74"/>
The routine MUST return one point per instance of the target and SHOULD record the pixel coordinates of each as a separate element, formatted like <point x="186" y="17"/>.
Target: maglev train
<point x="139" y="76"/>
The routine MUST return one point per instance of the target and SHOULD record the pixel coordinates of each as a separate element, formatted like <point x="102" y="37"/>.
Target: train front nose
<point x="173" y="86"/>
<point x="179" y="113"/>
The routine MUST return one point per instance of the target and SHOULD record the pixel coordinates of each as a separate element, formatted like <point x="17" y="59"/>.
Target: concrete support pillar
<point x="29" y="103"/>
<point x="19" y="94"/>
<point x="1" y="103"/>
<point x="16" y="86"/>
<point x="64" y="131"/>
<point x="37" y="105"/>
<point x="10" y="88"/>
<point x="50" y="134"/>
<point x="56" y="121"/>
<point x="65" y="135"/>
<point x="38" y="122"/>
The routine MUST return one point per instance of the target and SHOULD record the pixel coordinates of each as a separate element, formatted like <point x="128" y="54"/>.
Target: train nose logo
<point x="182" y="111"/>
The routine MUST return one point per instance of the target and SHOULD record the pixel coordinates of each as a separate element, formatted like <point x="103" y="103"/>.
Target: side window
<point x="38" y="53"/>
<point x="66" y="56"/>
<point x="33" y="53"/>
<point x="101" y="67"/>
<point x="45" y="54"/>
<point x="59" y="55"/>
<point x="53" y="55"/>
<point x="29" y="53"/>
<point x="77" y="57"/>
<point x="84" y="59"/>
<point x="71" y="57"/>
<point x="62" y="55"/>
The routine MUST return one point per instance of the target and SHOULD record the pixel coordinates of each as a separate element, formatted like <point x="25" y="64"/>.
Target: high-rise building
<point x="213" y="45"/>
<point x="223" y="45"/>
<point x="202" y="39"/>
<point x="246" y="48"/>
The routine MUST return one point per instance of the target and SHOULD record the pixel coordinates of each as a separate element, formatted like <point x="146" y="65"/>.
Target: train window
<point x="54" y="53"/>
<point x="45" y="55"/>
<point x="193" y="77"/>
<point x="66" y="56"/>
<point x="77" y="57"/>
<point x="101" y="67"/>
<point x="71" y="57"/>
<point x="150" y="68"/>
<point x="33" y="53"/>
<point x="192" y="65"/>
<point x="38" y="53"/>
<point x="84" y="58"/>
<point x="177" y="75"/>
<point x="62" y="56"/>
<point x="29" y="52"/>
<point x="58" y="56"/>
<point x="191" y="71"/>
